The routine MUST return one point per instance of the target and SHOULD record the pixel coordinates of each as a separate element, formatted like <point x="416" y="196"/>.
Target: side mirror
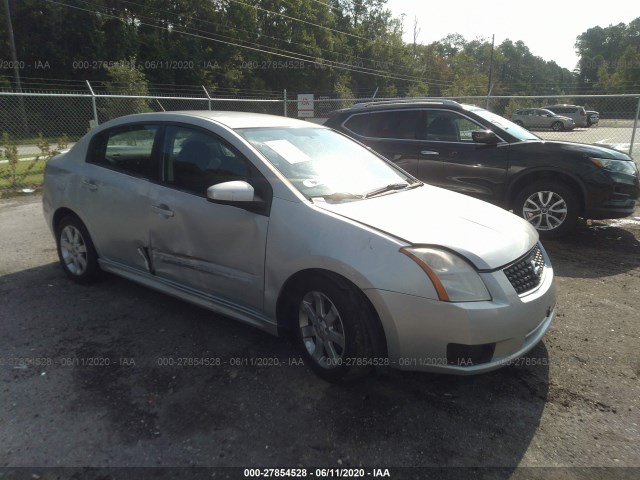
<point x="484" y="136"/>
<point x="237" y="194"/>
<point x="236" y="191"/>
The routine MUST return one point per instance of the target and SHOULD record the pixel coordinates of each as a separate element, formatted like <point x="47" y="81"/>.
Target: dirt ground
<point x="91" y="376"/>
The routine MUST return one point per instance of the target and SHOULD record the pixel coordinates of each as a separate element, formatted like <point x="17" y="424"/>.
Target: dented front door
<point x="215" y="249"/>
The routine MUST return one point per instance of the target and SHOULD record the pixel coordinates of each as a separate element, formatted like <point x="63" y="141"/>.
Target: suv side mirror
<point x="484" y="136"/>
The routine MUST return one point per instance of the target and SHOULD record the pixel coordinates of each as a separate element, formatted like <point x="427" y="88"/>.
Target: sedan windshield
<point x="511" y="128"/>
<point x="322" y="163"/>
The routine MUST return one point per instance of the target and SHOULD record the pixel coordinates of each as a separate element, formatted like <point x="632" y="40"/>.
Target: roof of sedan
<point x="246" y="119"/>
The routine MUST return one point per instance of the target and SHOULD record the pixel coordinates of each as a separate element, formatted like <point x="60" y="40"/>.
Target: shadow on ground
<point x="579" y="254"/>
<point x="139" y="378"/>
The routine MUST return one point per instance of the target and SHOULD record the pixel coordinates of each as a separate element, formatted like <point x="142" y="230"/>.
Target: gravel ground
<point x="86" y="380"/>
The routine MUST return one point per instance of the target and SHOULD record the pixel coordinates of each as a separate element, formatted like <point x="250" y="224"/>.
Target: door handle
<point x="429" y="152"/>
<point x="162" y="210"/>
<point x="93" y="186"/>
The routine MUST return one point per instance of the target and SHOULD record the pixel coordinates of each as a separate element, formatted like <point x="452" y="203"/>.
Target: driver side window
<point x="194" y="160"/>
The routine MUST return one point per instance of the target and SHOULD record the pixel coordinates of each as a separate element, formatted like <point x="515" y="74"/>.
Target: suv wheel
<point x="552" y="208"/>
<point x="557" y="126"/>
<point x="519" y="123"/>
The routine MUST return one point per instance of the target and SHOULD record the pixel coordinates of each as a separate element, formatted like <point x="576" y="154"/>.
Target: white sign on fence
<point x="305" y="105"/>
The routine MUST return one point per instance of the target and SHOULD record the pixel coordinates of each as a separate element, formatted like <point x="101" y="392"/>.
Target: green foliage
<point x="125" y="78"/>
<point x="610" y="59"/>
<point x="19" y="173"/>
<point x="233" y="47"/>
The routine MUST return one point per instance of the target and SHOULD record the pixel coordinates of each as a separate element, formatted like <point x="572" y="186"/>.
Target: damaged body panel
<point x="286" y="225"/>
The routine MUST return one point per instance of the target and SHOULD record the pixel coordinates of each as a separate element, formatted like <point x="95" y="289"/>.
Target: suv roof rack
<point x="433" y="101"/>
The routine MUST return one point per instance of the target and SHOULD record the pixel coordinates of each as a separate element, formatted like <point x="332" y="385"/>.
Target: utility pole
<point x="489" y="86"/>
<point x="16" y="68"/>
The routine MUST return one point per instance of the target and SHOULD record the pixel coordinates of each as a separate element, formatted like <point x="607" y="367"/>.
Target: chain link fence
<point x="35" y="126"/>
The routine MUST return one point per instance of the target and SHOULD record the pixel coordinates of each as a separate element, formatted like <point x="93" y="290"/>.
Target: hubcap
<point x="322" y="329"/>
<point x="545" y="210"/>
<point x="73" y="250"/>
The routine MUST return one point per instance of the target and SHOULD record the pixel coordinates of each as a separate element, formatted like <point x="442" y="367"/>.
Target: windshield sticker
<point x="288" y="151"/>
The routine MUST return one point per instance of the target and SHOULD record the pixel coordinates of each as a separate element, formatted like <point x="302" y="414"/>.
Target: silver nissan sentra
<point x="289" y="226"/>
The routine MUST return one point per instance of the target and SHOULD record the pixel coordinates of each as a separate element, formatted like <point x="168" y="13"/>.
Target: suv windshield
<point x="508" y="126"/>
<point x="323" y="163"/>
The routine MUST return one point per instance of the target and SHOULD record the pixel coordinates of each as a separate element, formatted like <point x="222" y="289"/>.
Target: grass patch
<point x="19" y="171"/>
<point x="29" y="173"/>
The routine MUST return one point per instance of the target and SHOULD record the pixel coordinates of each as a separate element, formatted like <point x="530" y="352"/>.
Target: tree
<point x="125" y="78"/>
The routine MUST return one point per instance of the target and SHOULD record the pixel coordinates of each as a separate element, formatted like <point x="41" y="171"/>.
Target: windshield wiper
<point x="386" y="188"/>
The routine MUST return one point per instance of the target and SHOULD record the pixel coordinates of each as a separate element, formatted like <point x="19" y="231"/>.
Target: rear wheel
<point x="76" y="251"/>
<point x="552" y="208"/>
<point x="519" y="123"/>
<point x="332" y="325"/>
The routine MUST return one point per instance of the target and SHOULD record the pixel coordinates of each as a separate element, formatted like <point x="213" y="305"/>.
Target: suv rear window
<point x="400" y="124"/>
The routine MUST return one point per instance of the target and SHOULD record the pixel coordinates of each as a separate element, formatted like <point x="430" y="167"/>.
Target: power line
<point x="288" y="55"/>
<point x="301" y="21"/>
<point x="190" y="17"/>
<point x="233" y="38"/>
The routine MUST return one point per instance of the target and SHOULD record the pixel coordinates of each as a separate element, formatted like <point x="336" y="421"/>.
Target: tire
<point x="76" y="252"/>
<point x="519" y="123"/>
<point x="552" y="208"/>
<point x="333" y="328"/>
<point x="557" y="126"/>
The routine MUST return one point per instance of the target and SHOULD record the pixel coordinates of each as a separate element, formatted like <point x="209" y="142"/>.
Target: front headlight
<point x="454" y="278"/>
<point x="618" y="166"/>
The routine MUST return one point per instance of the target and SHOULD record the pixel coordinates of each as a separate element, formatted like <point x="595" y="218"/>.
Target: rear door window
<point x="129" y="150"/>
<point x="399" y="124"/>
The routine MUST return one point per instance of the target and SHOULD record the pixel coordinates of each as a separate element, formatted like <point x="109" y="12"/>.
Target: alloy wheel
<point x="322" y="330"/>
<point x="73" y="250"/>
<point x="545" y="210"/>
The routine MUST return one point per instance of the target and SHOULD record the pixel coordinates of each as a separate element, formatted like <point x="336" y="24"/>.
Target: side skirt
<point x="210" y="302"/>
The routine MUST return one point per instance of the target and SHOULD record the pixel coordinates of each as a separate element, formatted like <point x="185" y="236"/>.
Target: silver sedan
<point x="289" y="226"/>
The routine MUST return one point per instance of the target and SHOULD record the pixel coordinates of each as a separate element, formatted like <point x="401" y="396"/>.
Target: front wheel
<point x="519" y="123"/>
<point x="552" y="208"/>
<point x="76" y="251"/>
<point x="332" y="324"/>
<point x="557" y="126"/>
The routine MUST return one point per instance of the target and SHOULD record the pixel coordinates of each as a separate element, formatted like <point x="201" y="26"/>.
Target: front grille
<point x="526" y="273"/>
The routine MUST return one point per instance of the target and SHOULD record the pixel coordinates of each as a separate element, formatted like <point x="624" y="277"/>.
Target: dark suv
<point x="470" y="150"/>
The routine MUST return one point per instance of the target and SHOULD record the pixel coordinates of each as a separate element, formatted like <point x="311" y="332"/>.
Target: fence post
<point x="635" y="127"/>
<point x="93" y="101"/>
<point x="284" y="96"/>
<point x="208" y="97"/>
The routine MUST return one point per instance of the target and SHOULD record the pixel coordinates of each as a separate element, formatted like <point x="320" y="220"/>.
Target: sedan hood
<point x="486" y="235"/>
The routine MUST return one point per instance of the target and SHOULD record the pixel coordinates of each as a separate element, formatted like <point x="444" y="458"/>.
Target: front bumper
<point x="430" y="335"/>
<point x="618" y="207"/>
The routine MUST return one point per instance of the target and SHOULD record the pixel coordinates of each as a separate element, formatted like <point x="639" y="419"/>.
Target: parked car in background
<point x="539" y="118"/>
<point x="593" y="117"/>
<point x="286" y="225"/>
<point x="575" y="112"/>
<point x="471" y="150"/>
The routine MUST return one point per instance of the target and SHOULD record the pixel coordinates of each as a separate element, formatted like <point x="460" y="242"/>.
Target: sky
<point x="548" y="28"/>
